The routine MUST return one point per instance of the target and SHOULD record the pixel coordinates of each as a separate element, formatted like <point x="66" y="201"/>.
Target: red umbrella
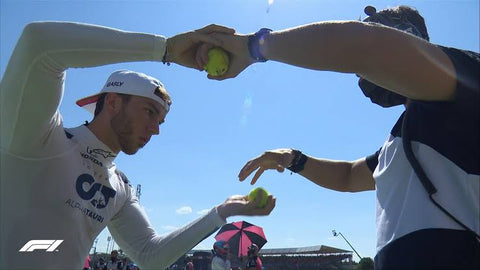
<point x="240" y="235"/>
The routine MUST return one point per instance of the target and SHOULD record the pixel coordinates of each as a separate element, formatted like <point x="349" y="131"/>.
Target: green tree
<point x="365" y="263"/>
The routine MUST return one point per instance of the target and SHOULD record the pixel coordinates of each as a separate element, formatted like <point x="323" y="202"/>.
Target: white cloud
<point x="184" y="210"/>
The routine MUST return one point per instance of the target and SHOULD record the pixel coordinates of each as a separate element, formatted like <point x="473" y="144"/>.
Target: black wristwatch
<point x="254" y="43"/>
<point x="298" y="162"/>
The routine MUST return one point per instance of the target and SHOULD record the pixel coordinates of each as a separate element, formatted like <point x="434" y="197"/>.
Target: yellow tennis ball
<point x="254" y="193"/>
<point x="218" y="62"/>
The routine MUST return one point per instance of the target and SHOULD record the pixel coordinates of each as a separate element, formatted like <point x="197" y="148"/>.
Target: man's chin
<point x="131" y="151"/>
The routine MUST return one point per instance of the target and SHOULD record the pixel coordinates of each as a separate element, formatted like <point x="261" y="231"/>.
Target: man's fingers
<point x="257" y="175"/>
<point x="204" y="53"/>
<point x="270" y="203"/>
<point x="217" y="78"/>
<point x="212" y="34"/>
<point x="264" y="162"/>
<point x="216" y="28"/>
<point x="201" y="56"/>
<point x="205" y="38"/>
<point x="198" y="60"/>
<point x="267" y="209"/>
<point x="247" y="169"/>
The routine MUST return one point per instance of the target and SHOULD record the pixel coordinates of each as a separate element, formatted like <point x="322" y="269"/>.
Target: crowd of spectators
<point x="114" y="262"/>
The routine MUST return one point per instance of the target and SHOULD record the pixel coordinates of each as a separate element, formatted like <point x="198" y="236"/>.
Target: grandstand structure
<point x="305" y="258"/>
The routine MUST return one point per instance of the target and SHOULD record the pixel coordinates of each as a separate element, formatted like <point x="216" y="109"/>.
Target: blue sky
<point x="214" y="127"/>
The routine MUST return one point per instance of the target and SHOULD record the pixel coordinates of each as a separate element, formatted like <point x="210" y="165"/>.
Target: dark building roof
<point x="321" y="249"/>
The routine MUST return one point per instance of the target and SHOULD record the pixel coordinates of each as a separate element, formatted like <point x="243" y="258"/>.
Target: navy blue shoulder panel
<point x="372" y="160"/>
<point x="122" y="176"/>
<point x="451" y="128"/>
<point x="69" y="135"/>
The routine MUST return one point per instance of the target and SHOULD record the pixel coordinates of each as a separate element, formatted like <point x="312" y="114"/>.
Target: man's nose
<point x="154" y="128"/>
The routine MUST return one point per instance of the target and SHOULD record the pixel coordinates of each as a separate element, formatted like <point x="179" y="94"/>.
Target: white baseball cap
<point x="130" y="83"/>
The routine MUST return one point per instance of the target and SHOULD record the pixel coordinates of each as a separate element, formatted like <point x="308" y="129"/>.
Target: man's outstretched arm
<point x="351" y="176"/>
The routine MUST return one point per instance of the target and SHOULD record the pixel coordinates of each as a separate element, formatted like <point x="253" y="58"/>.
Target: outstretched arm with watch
<point x="345" y="176"/>
<point x="422" y="71"/>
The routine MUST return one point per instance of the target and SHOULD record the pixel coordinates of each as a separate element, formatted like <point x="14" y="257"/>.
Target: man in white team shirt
<point x="60" y="187"/>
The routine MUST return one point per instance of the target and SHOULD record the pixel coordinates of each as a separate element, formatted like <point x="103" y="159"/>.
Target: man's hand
<point x="236" y="46"/>
<point x="182" y="48"/>
<point x="238" y="205"/>
<point x="278" y="159"/>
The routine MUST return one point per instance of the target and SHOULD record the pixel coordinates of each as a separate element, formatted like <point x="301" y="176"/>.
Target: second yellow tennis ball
<point x="254" y="193"/>
<point x="218" y="62"/>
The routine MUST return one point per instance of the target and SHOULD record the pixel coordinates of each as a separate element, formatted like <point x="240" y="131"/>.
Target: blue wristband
<point x="254" y="43"/>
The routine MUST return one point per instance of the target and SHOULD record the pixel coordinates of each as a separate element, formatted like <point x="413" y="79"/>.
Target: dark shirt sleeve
<point x="372" y="161"/>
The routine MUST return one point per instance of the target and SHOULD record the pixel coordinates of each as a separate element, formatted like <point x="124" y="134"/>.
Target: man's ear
<point x="113" y="103"/>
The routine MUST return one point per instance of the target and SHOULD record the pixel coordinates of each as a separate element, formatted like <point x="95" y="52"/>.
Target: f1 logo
<point x="48" y="245"/>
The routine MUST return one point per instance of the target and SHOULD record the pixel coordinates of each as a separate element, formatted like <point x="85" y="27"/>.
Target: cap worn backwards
<point x="130" y="83"/>
<point x="398" y="21"/>
<point x="378" y="94"/>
